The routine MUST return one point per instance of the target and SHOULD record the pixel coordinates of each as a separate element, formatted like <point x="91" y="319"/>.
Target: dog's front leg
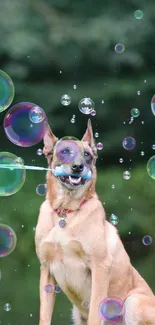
<point x="99" y="291"/>
<point x="46" y="299"/>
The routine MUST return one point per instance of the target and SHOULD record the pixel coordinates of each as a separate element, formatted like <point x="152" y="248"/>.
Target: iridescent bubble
<point x="41" y="189"/>
<point x="114" y="219"/>
<point x="99" y="146"/>
<point x="147" y="240"/>
<point x="69" y="150"/>
<point x="7" y="307"/>
<point x="39" y="152"/>
<point x="129" y="143"/>
<point x="151" y="167"/>
<point x="74" y="86"/>
<point x="7" y="91"/>
<point x="119" y="48"/>
<point x="138" y="14"/>
<point x="86" y="105"/>
<point x="57" y="289"/>
<point x="121" y="160"/>
<point x="36" y="114"/>
<point x="12" y="174"/>
<point x="72" y="120"/>
<point x="138" y="92"/>
<point x="96" y="134"/>
<point x="85" y="304"/>
<point x="93" y="112"/>
<point x="153" y="105"/>
<point x="135" y="112"/>
<point x="18" y="127"/>
<point x="48" y="288"/>
<point x="112" y="309"/>
<point x="8" y="240"/>
<point x="65" y="100"/>
<point x="153" y="146"/>
<point x="142" y="153"/>
<point x="126" y="175"/>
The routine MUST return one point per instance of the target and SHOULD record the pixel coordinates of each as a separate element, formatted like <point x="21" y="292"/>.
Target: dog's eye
<point x="65" y="151"/>
<point x="86" y="154"/>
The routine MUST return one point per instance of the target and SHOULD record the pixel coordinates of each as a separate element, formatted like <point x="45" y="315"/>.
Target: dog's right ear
<point x="49" y="140"/>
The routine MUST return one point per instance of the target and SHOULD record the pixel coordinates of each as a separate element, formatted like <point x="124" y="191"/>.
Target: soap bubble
<point x="135" y="112"/>
<point x="126" y="175"/>
<point x="8" y="240"/>
<point x="39" y="152"/>
<point x="151" y="167"/>
<point x="138" y="14"/>
<point x="112" y="309"/>
<point x="12" y="174"/>
<point x="99" y="146"/>
<point x="114" y="219"/>
<point x="65" y="100"/>
<point x="41" y="189"/>
<point x="147" y="240"/>
<point x="119" y="48"/>
<point x="86" y="105"/>
<point x="153" y="105"/>
<point x="48" y="288"/>
<point x="129" y="143"/>
<point x="7" y="307"/>
<point x="69" y="150"/>
<point x="36" y="114"/>
<point x="57" y="289"/>
<point x="18" y="127"/>
<point x="7" y="91"/>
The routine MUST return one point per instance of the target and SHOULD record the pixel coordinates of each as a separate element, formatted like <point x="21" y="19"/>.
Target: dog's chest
<point x="68" y="265"/>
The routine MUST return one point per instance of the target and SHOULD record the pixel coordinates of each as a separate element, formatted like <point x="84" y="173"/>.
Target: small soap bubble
<point x="142" y="122"/>
<point x="41" y="189"/>
<point x="153" y="105"/>
<point x="114" y="219"/>
<point x="18" y="127"/>
<point x="99" y="146"/>
<point x="57" y="288"/>
<point x="113" y="186"/>
<point x="102" y="101"/>
<point x="39" y="152"/>
<point x="36" y="114"/>
<point x="153" y="146"/>
<point x="65" y="100"/>
<point x="72" y="120"/>
<point x="129" y="143"/>
<point x="147" y="240"/>
<point x="142" y="153"/>
<point x="7" y="91"/>
<point x="150" y="167"/>
<point x="85" y="304"/>
<point x="74" y="86"/>
<point x="119" y="48"/>
<point x="126" y="175"/>
<point x="7" y="307"/>
<point x="93" y="113"/>
<point x="112" y="309"/>
<point x="96" y="134"/>
<point x="48" y="288"/>
<point x="145" y="81"/>
<point x="135" y="112"/>
<point x="12" y="174"/>
<point x="121" y="160"/>
<point x="138" y="92"/>
<point x="86" y="105"/>
<point x="31" y="315"/>
<point x="138" y="14"/>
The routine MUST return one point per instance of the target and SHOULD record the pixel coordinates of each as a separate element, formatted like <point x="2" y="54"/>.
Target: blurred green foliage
<point x="46" y="48"/>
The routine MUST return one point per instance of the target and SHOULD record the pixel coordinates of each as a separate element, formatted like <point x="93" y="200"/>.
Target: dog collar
<point x="63" y="212"/>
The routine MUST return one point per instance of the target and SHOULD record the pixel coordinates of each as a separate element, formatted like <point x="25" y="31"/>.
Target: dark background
<point x="47" y="47"/>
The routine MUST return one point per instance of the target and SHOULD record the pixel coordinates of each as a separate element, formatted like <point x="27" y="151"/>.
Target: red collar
<point x="65" y="211"/>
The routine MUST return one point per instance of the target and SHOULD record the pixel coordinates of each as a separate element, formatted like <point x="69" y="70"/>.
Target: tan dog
<point x="85" y="257"/>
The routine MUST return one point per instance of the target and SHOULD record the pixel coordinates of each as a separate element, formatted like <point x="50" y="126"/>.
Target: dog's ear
<point x="49" y="140"/>
<point x="88" y="136"/>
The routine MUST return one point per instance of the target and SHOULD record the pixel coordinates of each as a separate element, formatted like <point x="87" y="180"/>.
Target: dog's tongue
<point x="58" y="171"/>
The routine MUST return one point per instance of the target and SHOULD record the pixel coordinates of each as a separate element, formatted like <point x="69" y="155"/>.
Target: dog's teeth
<point x="74" y="180"/>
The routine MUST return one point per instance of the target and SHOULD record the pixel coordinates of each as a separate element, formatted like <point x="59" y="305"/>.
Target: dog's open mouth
<point x="73" y="180"/>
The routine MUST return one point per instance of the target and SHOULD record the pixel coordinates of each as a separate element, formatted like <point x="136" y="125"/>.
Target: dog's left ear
<point x="88" y="136"/>
<point x="49" y="140"/>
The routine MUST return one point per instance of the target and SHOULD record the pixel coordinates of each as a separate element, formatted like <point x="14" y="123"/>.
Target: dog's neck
<point x="63" y="198"/>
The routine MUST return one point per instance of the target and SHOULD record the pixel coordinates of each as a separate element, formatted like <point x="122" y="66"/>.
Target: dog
<point x="77" y="247"/>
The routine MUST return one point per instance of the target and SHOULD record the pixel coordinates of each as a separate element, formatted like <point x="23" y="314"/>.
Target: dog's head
<point x="72" y="162"/>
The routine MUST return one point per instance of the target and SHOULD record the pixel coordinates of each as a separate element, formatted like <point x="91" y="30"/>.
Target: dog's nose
<point x="77" y="168"/>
